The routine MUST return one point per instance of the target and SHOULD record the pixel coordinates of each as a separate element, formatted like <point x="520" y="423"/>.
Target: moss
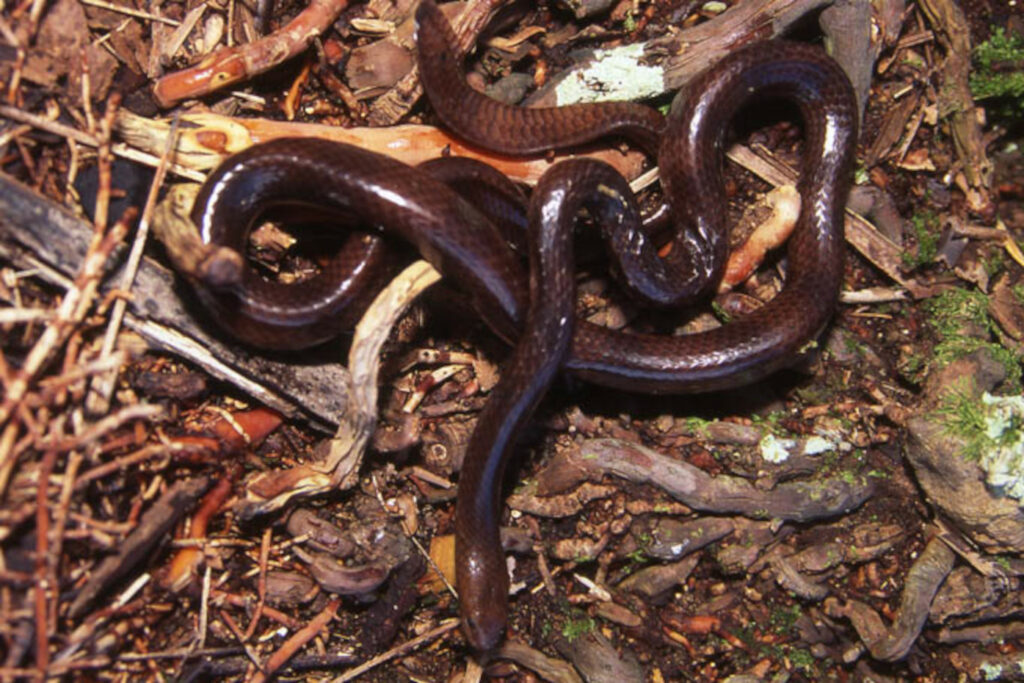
<point x="783" y="619"/>
<point x="963" y="416"/>
<point x="860" y="175"/>
<point x="574" y="628"/>
<point x="997" y="74"/>
<point x="952" y="314"/>
<point x="637" y="557"/>
<point x="992" y="431"/>
<point x="913" y="367"/>
<point x="926" y="231"/>
<point x="696" y="425"/>
<point x="994" y="263"/>
<point x="802" y="660"/>
<point x="953" y="310"/>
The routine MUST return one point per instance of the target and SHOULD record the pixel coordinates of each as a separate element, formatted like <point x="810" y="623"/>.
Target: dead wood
<point x="37" y="233"/>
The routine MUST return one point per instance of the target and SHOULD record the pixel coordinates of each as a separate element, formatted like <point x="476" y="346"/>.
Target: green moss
<point x="914" y="367"/>
<point x="696" y="425"/>
<point x="951" y="315"/>
<point x="860" y="175"/>
<point x="963" y="416"/>
<point x="997" y="74"/>
<point x="953" y="310"/>
<point x="994" y="263"/>
<point x="574" y="628"/>
<point x="637" y="557"/>
<point x="926" y="228"/>
<point x="783" y="619"/>
<point x="802" y="660"/>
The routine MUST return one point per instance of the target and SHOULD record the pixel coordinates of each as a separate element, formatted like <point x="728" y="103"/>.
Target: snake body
<point x="463" y="242"/>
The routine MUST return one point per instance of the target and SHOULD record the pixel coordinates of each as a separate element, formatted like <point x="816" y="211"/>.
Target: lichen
<point x="992" y="430"/>
<point x="620" y="71"/>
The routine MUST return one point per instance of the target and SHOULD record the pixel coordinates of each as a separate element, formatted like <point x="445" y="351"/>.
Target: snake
<point x="669" y="262"/>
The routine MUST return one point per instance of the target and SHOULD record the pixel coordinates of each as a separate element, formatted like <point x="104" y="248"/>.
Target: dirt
<point x="849" y="521"/>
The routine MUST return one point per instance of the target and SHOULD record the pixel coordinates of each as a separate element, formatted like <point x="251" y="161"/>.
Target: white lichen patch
<point x="613" y="74"/>
<point x="816" y="445"/>
<point x="775" y="449"/>
<point x="1003" y="461"/>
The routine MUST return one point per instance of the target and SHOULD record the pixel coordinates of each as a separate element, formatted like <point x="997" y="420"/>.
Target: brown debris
<point x="892" y="643"/>
<point x="149" y="532"/>
<point x="692" y="486"/>
<point x="667" y="554"/>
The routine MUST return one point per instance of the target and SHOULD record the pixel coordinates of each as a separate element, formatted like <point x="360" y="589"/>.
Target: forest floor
<point x="173" y="503"/>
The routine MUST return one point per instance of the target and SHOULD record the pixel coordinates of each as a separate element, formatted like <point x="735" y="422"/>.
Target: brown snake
<point x="464" y="244"/>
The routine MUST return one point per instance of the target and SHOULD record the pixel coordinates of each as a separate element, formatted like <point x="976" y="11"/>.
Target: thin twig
<point x="98" y="399"/>
<point x="81" y="137"/>
<point x="298" y="639"/>
<point x="139" y="14"/>
<point x="72" y="310"/>
<point x="398" y="651"/>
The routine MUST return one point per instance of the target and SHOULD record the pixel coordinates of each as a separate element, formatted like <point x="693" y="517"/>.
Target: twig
<point x="339" y="469"/>
<point x="398" y="651"/>
<point x="9" y="316"/>
<point x="60" y="522"/>
<point x="261" y="585"/>
<point x="70" y="312"/>
<point x="42" y="237"/>
<point x="957" y="103"/>
<point x="409" y="143"/>
<point x="104" y="426"/>
<point x="139" y="14"/>
<point x="126" y="461"/>
<point x="81" y="137"/>
<point x="180" y="568"/>
<point x="364" y="365"/>
<point x="233" y="64"/>
<point x="795" y="500"/>
<point x="237" y="632"/>
<point x="98" y="399"/>
<point x="43" y="587"/>
<point x="298" y="639"/>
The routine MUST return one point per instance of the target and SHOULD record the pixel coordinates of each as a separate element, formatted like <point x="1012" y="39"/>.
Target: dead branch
<point x="957" y="103"/>
<point x="233" y="64"/>
<point x="206" y="138"/>
<point x="38" y="233"/>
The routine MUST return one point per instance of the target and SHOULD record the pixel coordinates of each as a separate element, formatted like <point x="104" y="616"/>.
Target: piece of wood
<point x="36" y="232"/>
<point x="667" y="63"/>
